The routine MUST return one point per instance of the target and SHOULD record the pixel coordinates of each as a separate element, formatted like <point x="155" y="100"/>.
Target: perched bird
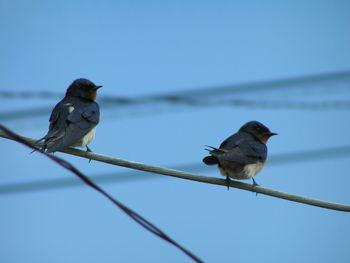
<point x="242" y="155"/>
<point x="73" y="120"/>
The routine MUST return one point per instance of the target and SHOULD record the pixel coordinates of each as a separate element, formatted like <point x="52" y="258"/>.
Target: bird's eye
<point x="258" y="128"/>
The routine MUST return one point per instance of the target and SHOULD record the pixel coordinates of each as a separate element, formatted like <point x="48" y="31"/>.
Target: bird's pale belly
<point x="240" y="171"/>
<point x="87" y="139"/>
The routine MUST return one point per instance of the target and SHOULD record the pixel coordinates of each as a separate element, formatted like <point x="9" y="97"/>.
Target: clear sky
<point x="136" y="48"/>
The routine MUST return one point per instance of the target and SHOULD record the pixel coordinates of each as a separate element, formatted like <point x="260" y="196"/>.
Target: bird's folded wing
<point x="234" y="155"/>
<point x="57" y="122"/>
<point x="254" y="149"/>
<point x="80" y="122"/>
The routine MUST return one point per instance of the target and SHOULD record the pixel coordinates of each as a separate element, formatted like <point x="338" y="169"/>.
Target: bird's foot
<point x="88" y="150"/>
<point x="228" y="182"/>
<point x="40" y="148"/>
<point x="32" y="151"/>
<point x="254" y="185"/>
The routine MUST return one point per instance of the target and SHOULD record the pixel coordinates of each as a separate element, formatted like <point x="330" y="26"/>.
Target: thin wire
<point x="151" y="109"/>
<point x="297" y="105"/>
<point x="287" y="83"/>
<point x="135" y="216"/>
<point x="198" y="178"/>
<point x="32" y="186"/>
<point x="212" y="96"/>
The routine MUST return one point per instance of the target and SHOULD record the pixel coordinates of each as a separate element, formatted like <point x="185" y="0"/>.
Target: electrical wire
<point x="230" y="95"/>
<point x="316" y="81"/>
<point x="132" y="214"/>
<point x="188" y="176"/>
<point x="120" y="177"/>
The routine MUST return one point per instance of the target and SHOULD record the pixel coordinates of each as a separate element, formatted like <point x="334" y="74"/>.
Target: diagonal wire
<point x="135" y="216"/>
<point x="32" y="186"/>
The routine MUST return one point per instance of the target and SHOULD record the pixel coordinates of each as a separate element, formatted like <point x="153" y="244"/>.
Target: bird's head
<point x="83" y="88"/>
<point x="258" y="130"/>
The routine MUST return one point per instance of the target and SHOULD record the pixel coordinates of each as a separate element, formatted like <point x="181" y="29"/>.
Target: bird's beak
<point x="271" y="133"/>
<point x="97" y="87"/>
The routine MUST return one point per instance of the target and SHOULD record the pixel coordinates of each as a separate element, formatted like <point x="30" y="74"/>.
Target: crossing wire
<point x="132" y="214"/>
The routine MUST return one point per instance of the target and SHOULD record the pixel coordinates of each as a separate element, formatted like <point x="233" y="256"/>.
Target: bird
<point x="74" y="119"/>
<point x="243" y="154"/>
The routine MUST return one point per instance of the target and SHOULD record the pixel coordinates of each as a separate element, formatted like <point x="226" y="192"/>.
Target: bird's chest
<point x="251" y="170"/>
<point x="240" y="171"/>
<point x="87" y="139"/>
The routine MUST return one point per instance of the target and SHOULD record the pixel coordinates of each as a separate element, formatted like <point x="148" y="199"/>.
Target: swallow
<point x="242" y="155"/>
<point x="74" y="119"/>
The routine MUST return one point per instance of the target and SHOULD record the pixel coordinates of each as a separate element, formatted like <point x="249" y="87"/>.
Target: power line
<point x="190" y="176"/>
<point x="25" y="113"/>
<point x="152" y="109"/>
<point x="315" y="81"/>
<point x="32" y="186"/>
<point x="213" y="96"/>
<point x="281" y="104"/>
<point x="58" y="183"/>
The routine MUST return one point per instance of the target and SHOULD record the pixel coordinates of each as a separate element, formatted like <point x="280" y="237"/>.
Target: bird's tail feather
<point x="210" y="160"/>
<point x="210" y="148"/>
<point x="215" y="150"/>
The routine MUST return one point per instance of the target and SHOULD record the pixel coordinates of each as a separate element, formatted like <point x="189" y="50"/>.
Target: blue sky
<point x="136" y="48"/>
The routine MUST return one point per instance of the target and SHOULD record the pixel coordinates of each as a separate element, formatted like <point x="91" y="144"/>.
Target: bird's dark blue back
<point x="243" y="148"/>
